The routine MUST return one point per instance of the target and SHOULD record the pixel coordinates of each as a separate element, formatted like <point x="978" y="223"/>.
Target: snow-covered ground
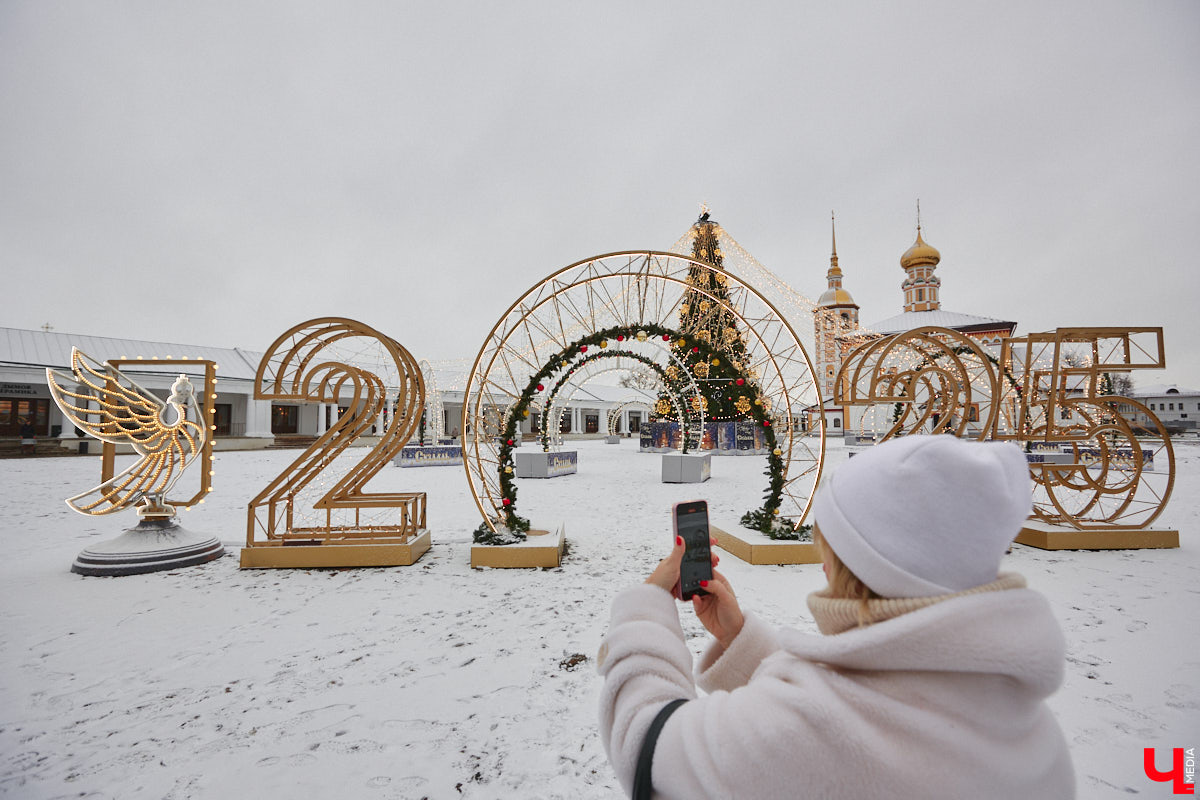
<point x="441" y="681"/>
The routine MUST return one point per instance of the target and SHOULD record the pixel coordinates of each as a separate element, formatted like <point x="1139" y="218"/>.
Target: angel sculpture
<point x="111" y="407"/>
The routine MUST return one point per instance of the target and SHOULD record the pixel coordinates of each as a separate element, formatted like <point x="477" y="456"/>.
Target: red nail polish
<point x="703" y="584"/>
<point x="678" y="541"/>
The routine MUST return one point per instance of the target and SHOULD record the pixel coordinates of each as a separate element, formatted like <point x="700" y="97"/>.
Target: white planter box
<point x="546" y="465"/>
<point x="679" y="468"/>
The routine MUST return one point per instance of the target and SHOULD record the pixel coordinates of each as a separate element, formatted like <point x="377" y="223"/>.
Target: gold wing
<point x="111" y="407"/>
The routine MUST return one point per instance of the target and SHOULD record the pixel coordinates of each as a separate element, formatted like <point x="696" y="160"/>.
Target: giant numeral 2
<point x="302" y="366"/>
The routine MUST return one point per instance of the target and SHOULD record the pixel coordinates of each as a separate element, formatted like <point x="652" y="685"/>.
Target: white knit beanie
<point x="925" y="515"/>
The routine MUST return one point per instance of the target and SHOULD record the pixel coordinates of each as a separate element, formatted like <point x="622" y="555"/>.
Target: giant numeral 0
<point x="308" y="365"/>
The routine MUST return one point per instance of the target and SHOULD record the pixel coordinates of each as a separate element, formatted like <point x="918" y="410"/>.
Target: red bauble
<point x="695" y="349"/>
<point x="583" y="348"/>
<point x="766" y="423"/>
<point x="507" y="502"/>
<point x="510" y="442"/>
<point x="620" y="338"/>
<point x="541" y="388"/>
<point x="739" y="382"/>
<point x="666" y="337"/>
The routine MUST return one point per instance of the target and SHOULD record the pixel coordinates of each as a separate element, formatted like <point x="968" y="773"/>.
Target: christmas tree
<point x="712" y="348"/>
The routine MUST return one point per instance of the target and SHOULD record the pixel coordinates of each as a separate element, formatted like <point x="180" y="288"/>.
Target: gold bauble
<point x="641" y="336"/>
<point x="603" y="343"/>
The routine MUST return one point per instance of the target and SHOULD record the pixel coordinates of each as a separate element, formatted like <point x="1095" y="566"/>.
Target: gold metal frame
<point x="937" y="379"/>
<point x="132" y="415"/>
<point x="1043" y="389"/>
<point x="689" y="415"/>
<point x="296" y="367"/>
<point x="625" y="290"/>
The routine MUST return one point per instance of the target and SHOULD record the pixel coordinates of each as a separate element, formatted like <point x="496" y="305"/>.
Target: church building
<point x="838" y="332"/>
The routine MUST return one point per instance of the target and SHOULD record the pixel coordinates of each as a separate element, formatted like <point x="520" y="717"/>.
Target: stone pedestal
<point x="679" y="468"/>
<point x="612" y="439"/>
<point x="152" y="545"/>
<point x="546" y="465"/>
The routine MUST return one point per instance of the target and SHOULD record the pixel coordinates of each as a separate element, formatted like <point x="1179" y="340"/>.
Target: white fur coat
<point x="947" y="701"/>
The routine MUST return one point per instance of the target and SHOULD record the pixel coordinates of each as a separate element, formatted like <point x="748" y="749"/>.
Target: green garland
<point x="765" y="518"/>
<point x="549" y="401"/>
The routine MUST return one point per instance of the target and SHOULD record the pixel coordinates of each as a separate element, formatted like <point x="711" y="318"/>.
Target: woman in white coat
<point x="928" y="680"/>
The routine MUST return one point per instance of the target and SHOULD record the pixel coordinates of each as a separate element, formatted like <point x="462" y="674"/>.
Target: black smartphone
<point x="691" y="523"/>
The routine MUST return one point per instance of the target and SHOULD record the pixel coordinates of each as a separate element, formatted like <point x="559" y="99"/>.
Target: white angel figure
<point x="115" y="409"/>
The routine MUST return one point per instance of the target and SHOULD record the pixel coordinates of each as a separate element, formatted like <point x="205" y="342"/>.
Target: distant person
<point x="28" y="437"/>
<point x="929" y="678"/>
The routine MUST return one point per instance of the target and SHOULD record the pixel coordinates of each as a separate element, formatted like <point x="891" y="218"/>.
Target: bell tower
<point x="921" y="285"/>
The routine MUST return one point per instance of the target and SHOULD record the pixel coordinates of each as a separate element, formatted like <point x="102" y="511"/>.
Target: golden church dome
<point x="835" y="297"/>
<point x="920" y="254"/>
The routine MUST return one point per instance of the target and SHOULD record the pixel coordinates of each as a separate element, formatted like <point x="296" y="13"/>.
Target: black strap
<point x="641" y="778"/>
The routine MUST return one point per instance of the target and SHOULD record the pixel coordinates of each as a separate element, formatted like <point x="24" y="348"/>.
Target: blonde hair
<point x="843" y="583"/>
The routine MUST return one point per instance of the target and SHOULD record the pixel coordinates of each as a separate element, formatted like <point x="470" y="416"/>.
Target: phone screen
<point x="691" y="523"/>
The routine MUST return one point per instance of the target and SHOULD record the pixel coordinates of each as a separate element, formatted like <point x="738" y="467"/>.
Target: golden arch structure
<point x="686" y="408"/>
<point x="633" y="292"/>
<point x="317" y="511"/>
<point x="1103" y="465"/>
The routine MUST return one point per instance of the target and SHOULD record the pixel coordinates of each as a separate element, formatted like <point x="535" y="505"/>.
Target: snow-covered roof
<point x="944" y="319"/>
<point x="27" y="348"/>
<point x="1164" y="390"/>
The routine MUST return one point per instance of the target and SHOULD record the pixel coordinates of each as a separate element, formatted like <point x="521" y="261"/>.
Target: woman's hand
<point x="666" y="574"/>
<point x="719" y="610"/>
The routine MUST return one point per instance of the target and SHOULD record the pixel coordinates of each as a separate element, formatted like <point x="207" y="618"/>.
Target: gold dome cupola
<point x="921" y="286"/>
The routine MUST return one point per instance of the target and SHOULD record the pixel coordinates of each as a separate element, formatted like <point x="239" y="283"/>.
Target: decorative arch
<point x="640" y="291"/>
<point x="615" y="414"/>
<point x="433" y="422"/>
<point x="684" y="405"/>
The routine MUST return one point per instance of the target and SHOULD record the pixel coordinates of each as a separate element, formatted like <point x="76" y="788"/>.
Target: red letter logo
<point x="1175" y="775"/>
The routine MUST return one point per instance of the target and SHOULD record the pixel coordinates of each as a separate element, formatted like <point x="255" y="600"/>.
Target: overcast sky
<point x="213" y="173"/>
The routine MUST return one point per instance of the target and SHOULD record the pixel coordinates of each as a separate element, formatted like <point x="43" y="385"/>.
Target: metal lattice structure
<point x="108" y="405"/>
<point x="614" y="415"/>
<point x="434" y="409"/>
<point x="318" y="497"/>
<point x="623" y="291"/>
<point x="684" y="408"/>
<point x="1094" y="466"/>
<point x="927" y="380"/>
